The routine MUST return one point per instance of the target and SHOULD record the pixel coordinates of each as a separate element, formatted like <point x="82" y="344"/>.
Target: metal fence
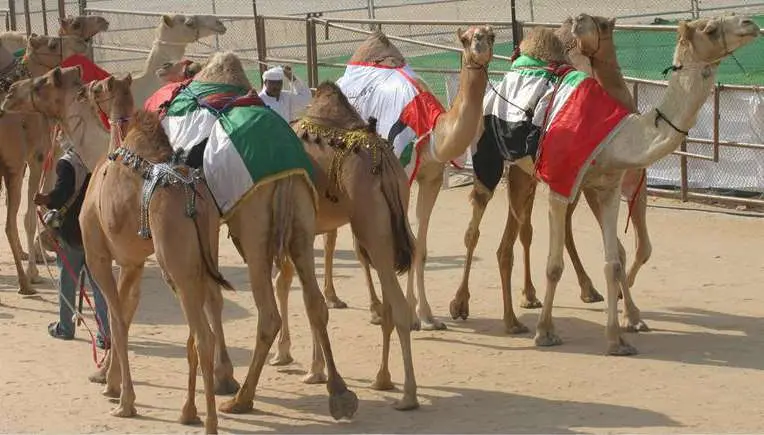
<point x="318" y="36"/>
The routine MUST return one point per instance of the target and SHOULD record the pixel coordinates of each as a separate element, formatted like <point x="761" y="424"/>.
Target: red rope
<point x="633" y="200"/>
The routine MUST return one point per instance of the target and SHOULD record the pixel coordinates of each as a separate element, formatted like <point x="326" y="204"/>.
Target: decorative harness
<point x="15" y="71"/>
<point x="344" y="142"/>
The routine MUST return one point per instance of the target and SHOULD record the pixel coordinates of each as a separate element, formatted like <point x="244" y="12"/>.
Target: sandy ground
<point x="699" y="370"/>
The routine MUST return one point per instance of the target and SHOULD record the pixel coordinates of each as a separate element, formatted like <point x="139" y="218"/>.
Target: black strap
<point x="660" y="115"/>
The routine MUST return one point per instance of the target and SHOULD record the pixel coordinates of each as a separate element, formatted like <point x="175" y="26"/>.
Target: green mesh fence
<point x="642" y="54"/>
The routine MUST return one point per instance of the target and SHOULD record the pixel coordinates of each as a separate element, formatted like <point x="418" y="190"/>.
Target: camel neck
<point x="607" y="72"/>
<point x="457" y="128"/>
<point x="163" y="52"/>
<point x="86" y="132"/>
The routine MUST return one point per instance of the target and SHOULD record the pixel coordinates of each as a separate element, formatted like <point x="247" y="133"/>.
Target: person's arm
<point x="64" y="187"/>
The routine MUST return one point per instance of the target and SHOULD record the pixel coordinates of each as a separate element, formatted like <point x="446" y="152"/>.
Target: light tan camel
<point x="641" y="140"/>
<point x="362" y="183"/>
<point x="452" y="135"/>
<point x="173" y="34"/>
<point x="277" y="221"/>
<point x="581" y="52"/>
<point x="111" y="216"/>
<point x="84" y="26"/>
<point x="32" y="132"/>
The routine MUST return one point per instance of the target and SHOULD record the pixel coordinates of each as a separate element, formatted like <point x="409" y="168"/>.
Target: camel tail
<point x="281" y="226"/>
<point x="210" y="263"/>
<point x="403" y="239"/>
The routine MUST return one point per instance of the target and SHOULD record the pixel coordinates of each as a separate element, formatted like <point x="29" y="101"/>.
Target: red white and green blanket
<point x="406" y="113"/>
<point x="559" y="116"/>
<point x="247" y="145"/>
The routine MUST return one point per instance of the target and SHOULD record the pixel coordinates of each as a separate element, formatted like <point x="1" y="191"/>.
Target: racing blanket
<point x="405" y="112"/>
<point x="560" y="117"/>
<point x="248" y="145"/>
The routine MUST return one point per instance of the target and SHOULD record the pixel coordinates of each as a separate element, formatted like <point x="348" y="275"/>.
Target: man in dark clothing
<point x="66" y="197"/>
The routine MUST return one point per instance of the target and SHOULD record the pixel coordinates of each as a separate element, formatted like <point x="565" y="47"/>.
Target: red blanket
<point x="90" y="72"/>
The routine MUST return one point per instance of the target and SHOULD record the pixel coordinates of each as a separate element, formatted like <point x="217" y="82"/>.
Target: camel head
<point x="85" y="26"/>
<point x="592" y="33"/>
<point x="188" y="28"/>
<point x="478" y="45"/>
<point x="110" y="96"/>
<point x="542" y="43"/>
<point x="44" y="53"/>
<point x="179" y="71"/>
<point x="709" y="40"/>
<point x="224" y="67"/>
<point x="49" y="94"/>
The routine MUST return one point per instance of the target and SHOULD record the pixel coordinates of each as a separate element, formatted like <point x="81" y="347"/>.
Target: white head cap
<point x="275" y="73"/>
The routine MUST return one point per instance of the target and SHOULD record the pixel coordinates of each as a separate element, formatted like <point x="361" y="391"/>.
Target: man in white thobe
<point x="287" y="103"/>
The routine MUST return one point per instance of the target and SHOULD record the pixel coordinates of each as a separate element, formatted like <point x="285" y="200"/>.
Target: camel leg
<point x="13" y="185"/>
<point x="521" y="201"/>
<point x="375" y="305"/>
<point x="429" y="189"/>
<point x="253" y="234"/>
<point x="589" y="294"/>
<point x="615" y="276"/>
<point x="395" y="310"/>
<point x="545" y="333"/>
<point x="519" y="193"/>
<point x="643" y="246"/>
<point x="30" y="223"/>
<point x="283" y="285"/>
<point x="479" y="198"/>
<point x="225" y="383"/>
<point x="330" y="295"/>
<point x="189" y="414"/>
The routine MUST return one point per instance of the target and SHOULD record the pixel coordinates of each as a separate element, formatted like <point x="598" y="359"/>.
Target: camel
<point x="30" y="130"/>
<point x="453" y="132"/>
<point x="111" y="220"/>
<point x="173" y="34"/>
<point x="636" y="142"/>
<point x="84" y="26"/>
<point x="365" y="186"/>
<point x="596" y="56"/>
<point x="272" y="219"/>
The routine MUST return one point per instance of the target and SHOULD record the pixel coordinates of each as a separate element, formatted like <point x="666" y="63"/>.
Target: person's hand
<point x="288" y="73"/>
<point x="41" y="199"/>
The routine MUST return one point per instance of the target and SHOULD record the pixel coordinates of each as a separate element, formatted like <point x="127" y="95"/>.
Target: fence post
<point x="516" y="35"/>
<point x="61" y="9"/>
<point x="83" y="6"/>
<point x="262" y="49"/>
<point x="217" y="37"/>
<point x="12" y="13"/>
<point x="44" y="8"/>
<point x="27" y="18"/>
<point x="530" y="6"/>
<point x="683" y="182"/>
<point x="372" y="14"/>
<point x="312" y="49"/>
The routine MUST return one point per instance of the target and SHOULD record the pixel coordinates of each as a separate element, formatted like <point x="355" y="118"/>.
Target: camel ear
<point x="611" y="22"/>
<point x="64" y="22"/>
<point x="110" y="83"/>
<point x="461" y="36"/>
<point x="167" y="20"/>
<point x="57" y="78"/>
<point x="685" y="32"/>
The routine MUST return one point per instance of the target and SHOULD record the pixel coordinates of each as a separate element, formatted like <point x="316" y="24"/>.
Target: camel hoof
<point x="416" y="325"/>
<point x="35" y="278"/>
<point x="234" y="407"/>
<point x="124" y="411"/>
<point x="189" y="417"/>
<point x="516" y="328"/>
<point x="459" y="309"/>
<point x="281" y="360"/>
<point x="432" y="325"/>
<point x="27" y="291"/>
<point x="343" y="405"/>
<point x="406" y="404"/>
<point x="592" y="297"/>
<point x="336" y="303"/>
<point x="383" y="384"/>
<point x="530" y="303"/>
<point x="226" y="387"/>
<point x="548" y="338"/>
<point x="314" y="378"/>
<point x="112" y="393"/>
<point x="375" y="319"/>
<point x="638" y="326"/>
<point x="98" y="377"/>
<point x="621" y="348"/>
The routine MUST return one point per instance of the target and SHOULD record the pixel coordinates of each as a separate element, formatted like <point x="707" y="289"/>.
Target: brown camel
<point x="637" y="141"/>
<point x="453" y="132"/>
<point x="173" y="72"/>
<point x="84" y="26"/>
<point x="274" y="219"/>
<point x="31" y="131"/>
<point x="111" y="219"/>
<point x="580" y="52"/>
<point x="364" y="185"/>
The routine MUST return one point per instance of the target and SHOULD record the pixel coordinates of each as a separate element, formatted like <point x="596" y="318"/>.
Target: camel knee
<point x="614" y="270"/>
<point x="471" y="237"/>
<point x="526" y="233"/>
<point x="268" y="327"/>
<point x="554" y="271"/>
<point x="480" y="196"/>
<point x="504" y="255"/>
